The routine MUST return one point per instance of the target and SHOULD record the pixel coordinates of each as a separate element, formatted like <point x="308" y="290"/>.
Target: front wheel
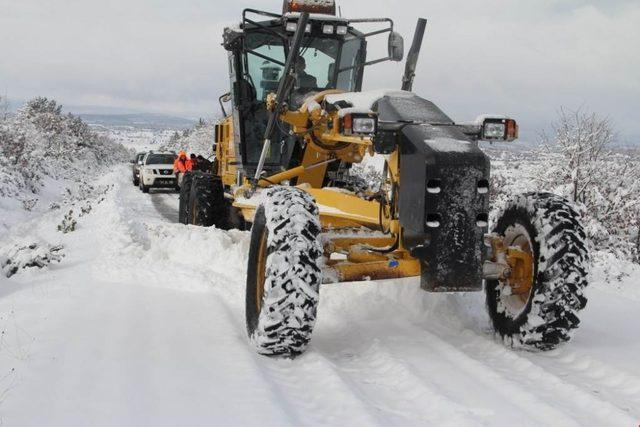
<point x="541" y="312"/>
<point x="283" y="274"/>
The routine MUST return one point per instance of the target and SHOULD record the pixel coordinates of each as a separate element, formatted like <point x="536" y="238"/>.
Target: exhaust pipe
<point x="412" y="58"/>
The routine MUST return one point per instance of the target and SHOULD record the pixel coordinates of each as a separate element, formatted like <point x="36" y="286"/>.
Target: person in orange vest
<point x="182" y="163"/>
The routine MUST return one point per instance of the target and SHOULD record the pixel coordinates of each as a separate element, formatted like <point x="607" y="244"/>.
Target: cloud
<point x="522" y="58"/>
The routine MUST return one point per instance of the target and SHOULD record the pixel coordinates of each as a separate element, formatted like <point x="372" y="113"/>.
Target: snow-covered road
<point x="143" y="324"/>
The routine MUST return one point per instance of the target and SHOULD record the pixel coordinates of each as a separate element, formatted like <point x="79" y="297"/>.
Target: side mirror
<point x="132" y="161"/>
<point x="396" y="47"/>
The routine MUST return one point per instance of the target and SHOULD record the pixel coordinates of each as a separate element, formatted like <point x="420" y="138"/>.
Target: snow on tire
<point x="551" y="228"/>
<point x="283" y="276"/>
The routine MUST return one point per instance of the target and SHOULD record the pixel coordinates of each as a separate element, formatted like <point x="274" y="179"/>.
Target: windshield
<point x="325" y="62"/>
<point x="160" y="159"/>
<point x="315" y="68"/>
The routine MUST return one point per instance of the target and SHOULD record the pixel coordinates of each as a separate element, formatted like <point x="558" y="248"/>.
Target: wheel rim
<point x="515" y="295"/>
<point x="261" y="270"/>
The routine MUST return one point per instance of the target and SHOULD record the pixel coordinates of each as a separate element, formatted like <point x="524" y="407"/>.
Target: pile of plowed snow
<point x="45" y="156"/>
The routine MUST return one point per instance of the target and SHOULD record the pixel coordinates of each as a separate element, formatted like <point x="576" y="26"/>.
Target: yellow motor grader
<point x="284" y="154"/>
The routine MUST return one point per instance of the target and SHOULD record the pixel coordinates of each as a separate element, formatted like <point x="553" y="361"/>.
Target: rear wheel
<point x="283" y="275"/>
<point x="207" y="204"/>
<point x="541" y="312"/>
<point x="185" y="192"/>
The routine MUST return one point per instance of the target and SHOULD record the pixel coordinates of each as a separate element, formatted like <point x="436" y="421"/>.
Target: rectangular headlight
<point x="341" y="30"/>
<point x="493" y="131"/>
<point x="364" y="125"/>
<point x="291" y="26"/>
<point x="327" y="29"/>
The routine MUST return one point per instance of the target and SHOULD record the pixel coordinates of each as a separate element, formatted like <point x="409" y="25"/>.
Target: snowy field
<point x="138" y="139"/>
<point x="142" y="323"/>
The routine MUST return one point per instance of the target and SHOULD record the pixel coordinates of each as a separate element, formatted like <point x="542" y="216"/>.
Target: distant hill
<point x="139" y="120"/>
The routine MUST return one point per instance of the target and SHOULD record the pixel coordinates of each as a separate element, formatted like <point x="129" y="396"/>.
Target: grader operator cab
<point x="299" y="121"/>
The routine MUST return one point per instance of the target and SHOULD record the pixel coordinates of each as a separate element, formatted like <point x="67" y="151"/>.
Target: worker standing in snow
<point x="181" y="165"/>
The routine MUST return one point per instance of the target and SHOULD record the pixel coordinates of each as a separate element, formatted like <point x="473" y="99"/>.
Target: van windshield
<point x="160" y="159"/>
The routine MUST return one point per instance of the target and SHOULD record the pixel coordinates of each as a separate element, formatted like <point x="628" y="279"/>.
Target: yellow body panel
<point x="225" y="152"/>
<point x="315" y="176"/>
<point x="339" y="205"/>
<point x="339" y="209"/>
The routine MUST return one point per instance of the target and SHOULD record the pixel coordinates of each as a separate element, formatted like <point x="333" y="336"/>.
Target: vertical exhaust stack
<point x="414" y="53"/>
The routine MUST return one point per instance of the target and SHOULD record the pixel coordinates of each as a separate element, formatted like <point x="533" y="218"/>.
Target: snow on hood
<point x="365" y="100"/>
<point x="449" y="145"/>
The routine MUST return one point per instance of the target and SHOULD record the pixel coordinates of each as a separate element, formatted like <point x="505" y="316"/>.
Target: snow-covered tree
<point x="582" y="166"/>
<point x="579" y="162"/>
<point x="198" y="140"/>
<point x="583" y="140"/>
<point x="4" y="107"/>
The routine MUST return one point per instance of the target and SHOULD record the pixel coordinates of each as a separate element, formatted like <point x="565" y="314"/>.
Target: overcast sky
<point x="523" y="58"/>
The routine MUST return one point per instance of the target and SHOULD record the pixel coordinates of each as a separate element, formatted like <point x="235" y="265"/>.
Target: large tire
<point x="283" y="275"/>
<point x="549" y="228"/>
<point x="185" y="192"/>
<point x="207" y="203"/>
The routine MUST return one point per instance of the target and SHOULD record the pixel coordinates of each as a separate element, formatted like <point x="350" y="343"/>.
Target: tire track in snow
<point x="396" y="379"/>
<point x="166" y="204"/>
<point x="390" y="386"/>
<point x="613" y="388"/>
<point x="616" y="385"/>
<point x="483" y="355"/>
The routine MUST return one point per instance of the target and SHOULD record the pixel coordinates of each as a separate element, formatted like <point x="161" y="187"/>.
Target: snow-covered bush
<point x="198" y="140"/>
<point x="18" y="257"/>
<point x="41" y="142"/>
<point x="577" y="162"/>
